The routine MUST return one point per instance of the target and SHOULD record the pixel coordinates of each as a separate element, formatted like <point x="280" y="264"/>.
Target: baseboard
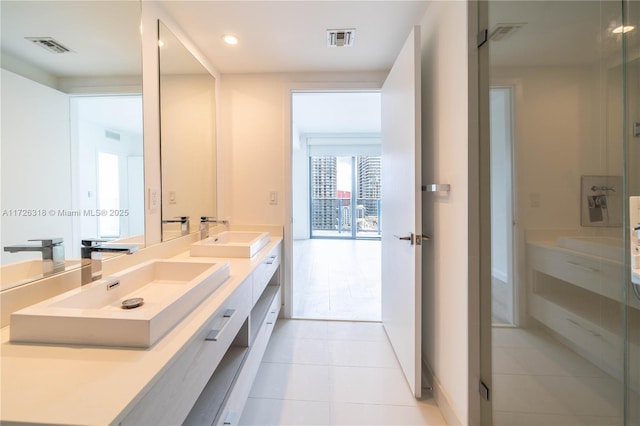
<point x="439" y="395"/>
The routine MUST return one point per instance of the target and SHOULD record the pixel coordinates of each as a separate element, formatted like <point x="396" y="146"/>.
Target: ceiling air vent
<point x="341" y="38"/>
<point x="503" y="31"/>
<point x="50" y="44"/>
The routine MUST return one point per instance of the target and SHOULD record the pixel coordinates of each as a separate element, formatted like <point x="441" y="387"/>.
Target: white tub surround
<point x="220" y="342"/>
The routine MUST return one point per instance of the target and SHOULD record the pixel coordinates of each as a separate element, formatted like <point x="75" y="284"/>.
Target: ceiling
<point x="290" y="36"/>
<point x="104" y="36"/>
<point x="556" y="33"/>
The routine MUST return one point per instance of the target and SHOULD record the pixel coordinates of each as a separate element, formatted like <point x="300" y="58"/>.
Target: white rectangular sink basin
<point x="94" y="315"/>
<point x="231" y="244"/>
<point x="606" y="247"/>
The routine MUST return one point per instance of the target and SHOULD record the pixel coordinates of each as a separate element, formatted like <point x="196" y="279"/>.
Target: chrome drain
<point x="132" y="303"/>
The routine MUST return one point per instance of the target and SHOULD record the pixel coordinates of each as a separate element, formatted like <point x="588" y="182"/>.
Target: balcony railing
<point x="334" y="217"/>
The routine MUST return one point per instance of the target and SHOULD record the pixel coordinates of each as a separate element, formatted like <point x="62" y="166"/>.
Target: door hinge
<point x="484" y="391"/>
<point x="483" y="36"/>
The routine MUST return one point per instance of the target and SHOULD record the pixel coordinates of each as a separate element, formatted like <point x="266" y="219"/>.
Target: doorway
<point x="336" y="169"/>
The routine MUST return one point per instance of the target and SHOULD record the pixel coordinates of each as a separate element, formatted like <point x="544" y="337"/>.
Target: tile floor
<point x="337" y="279"/>
<point x="538" y="381"/>
<point x="333" y="373"/>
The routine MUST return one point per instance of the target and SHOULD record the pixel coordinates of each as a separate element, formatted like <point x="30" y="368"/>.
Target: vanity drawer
<point x="237" y="399"/>
<point x="172" y="396"/>
<point x="263" y="272"/>
<point x="590" y="273"/>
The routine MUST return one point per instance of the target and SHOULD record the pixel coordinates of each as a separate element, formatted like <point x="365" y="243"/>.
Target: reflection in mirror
<point x="71" y="163"/>
<point x="187" y="137"/>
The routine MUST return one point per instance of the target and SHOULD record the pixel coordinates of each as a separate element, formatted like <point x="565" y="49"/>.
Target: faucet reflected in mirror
<point x="52" y="251"/>
<point x="204" y="225"/>
<point x="91" y="254"/>
<point x="182" y="220"/>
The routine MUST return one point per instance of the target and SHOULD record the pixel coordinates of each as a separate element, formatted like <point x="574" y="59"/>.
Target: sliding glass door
<point x="345" y="196"/>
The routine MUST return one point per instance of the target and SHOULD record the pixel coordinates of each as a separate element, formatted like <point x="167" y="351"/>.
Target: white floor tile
<point x="346" y="330"/>
<point x="284" y="349"/>
<point x="337" y="279"/>
<point x="362" y="353"/>
<point x="367" y="414"/>
<point x="365" y="386"/>
<point x="292" y="381"/>
<point x="579" y="396"/>
<point x="260" y="412"/>
<point x="540" y="381"/>
<point x="501" y="418"/>
<point x="299" y="329"/>
<point x="362" y="385"/>
<point x="542" y="360"/>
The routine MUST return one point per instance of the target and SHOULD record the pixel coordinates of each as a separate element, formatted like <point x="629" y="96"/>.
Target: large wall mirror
<point x="72" y="160"/>
<point x="187" y="137"/>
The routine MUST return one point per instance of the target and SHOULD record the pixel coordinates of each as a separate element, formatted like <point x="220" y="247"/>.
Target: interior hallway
<point x="337" y="279"/>
<point x="333" y="373"/>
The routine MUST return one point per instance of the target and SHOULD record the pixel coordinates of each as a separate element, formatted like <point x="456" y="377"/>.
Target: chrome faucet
<point x="91" y="253"/>
<point x="52" y="253"/>
<point x="182" y="220"/>
<point x="204" y="225"/>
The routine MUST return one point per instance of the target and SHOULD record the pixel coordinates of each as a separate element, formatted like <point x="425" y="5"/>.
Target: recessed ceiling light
<point x="623" y="29"/>
<point x="230" y="39"/>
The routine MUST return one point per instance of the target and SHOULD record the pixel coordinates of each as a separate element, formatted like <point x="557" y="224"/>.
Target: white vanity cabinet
<point x="578" y="296"/>
<point x="171" y="398"/>
<point x="210" y="380"/>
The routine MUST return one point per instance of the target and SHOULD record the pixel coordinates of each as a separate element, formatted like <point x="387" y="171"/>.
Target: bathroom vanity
<point x="574" y="290"/>
<point x="199" y="372"/>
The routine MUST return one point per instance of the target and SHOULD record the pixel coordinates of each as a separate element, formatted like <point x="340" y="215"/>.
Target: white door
<point x="401" y="210"/>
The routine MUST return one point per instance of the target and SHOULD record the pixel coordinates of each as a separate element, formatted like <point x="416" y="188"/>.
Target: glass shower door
<point x="570" y="355"/>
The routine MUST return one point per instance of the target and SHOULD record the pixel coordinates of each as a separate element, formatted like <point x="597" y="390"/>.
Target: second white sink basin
<point x="231" y="244"/>
<point x="94" y="314"/>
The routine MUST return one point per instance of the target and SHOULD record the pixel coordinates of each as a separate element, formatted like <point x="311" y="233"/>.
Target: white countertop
<point x="86" y="385"/>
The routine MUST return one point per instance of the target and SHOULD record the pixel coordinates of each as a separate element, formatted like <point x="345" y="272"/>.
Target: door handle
<point x="409" y="238"/>
<point x="213" y="335"/>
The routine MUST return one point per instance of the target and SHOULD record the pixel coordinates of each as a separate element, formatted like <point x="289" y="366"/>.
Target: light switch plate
<point x="273" y="198"/>
<point x="154" y="198"/>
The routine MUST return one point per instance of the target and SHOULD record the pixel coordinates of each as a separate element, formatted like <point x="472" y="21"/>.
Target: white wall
<point x="445" y="217"/>
<point x="36" y="152"/>
<point x="255" y="151"/>
<point x="299" y="185"/>
<point x="565" y="141"/>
